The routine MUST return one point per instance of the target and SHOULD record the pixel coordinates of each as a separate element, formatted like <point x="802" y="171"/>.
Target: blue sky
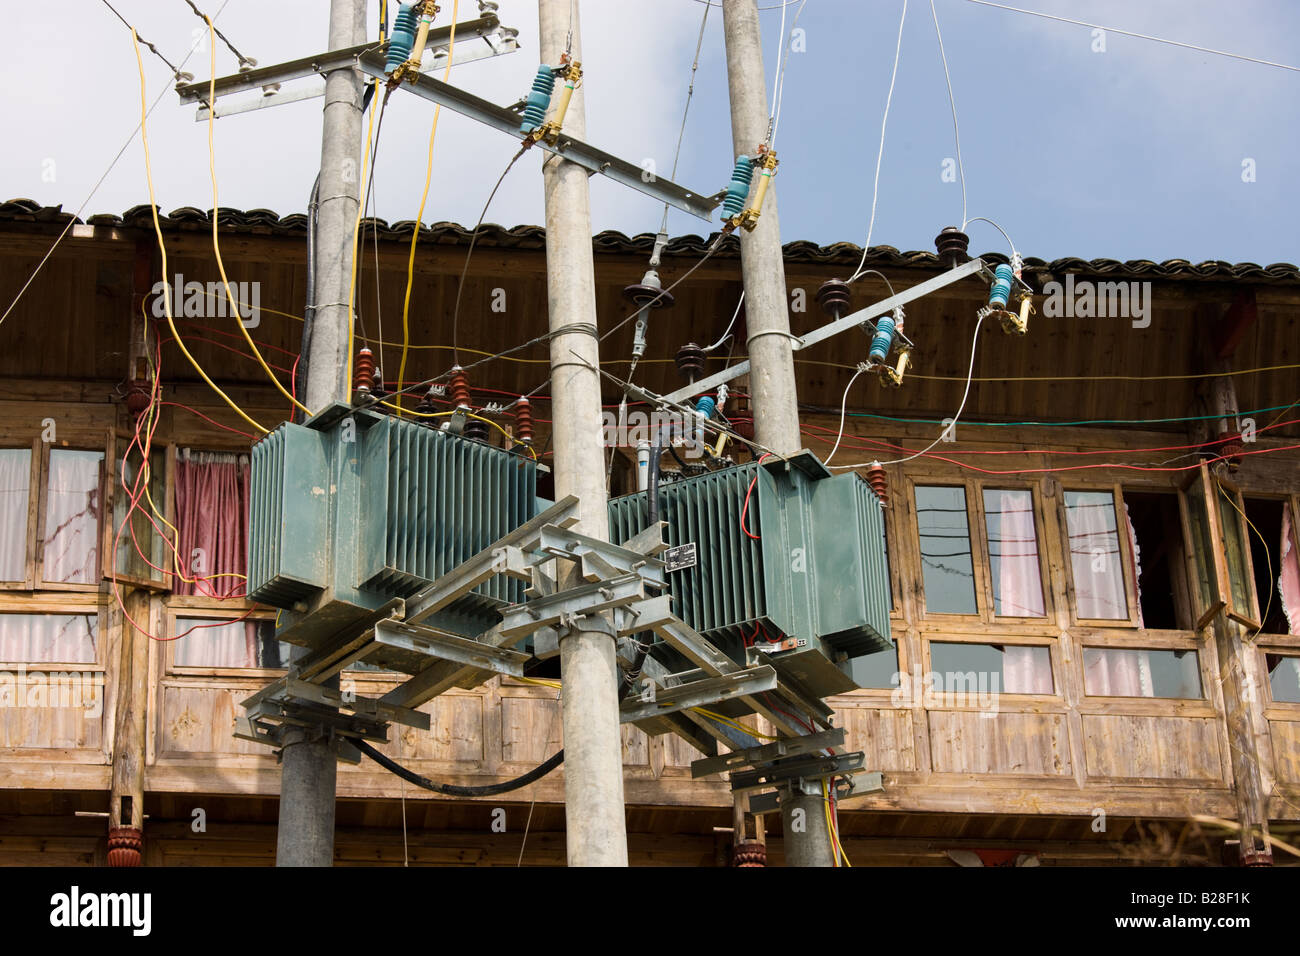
<point x="1135" y="152"/>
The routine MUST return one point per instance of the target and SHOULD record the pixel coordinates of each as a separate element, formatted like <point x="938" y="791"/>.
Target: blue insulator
<point x="882" y="340"/>
<point x="706" y="406"/>
<point x="405" y="26"/>
<point x="1002" y="278"/>
<point x="738" y="188"/>
<point x="539" y="99"/>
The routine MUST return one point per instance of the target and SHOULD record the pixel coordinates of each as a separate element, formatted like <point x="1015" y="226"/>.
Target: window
<point x="1013" y="553"/>
<point x="1140" y="672"/>
<point x="70" y="542"/>
<point x="48" y="638"/>
<point x="879" y="670"/>
<point x="1096" y="560"/>
<point x="947" y="567"/>
<point x="212" y="517"/>
<point x="1284" y="678"/>
<point x="213" y="642"/>
<point x="15" y="493"/>
<point x="138" y="546"/>
<point x="1159" y="559"/>
<point x="991" y="668"/>
<point x="1277" y="578"/>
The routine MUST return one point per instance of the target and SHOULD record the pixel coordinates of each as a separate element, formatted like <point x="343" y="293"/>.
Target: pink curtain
<point x="212" y="518"/>
<point x="1288" y="581"/>
<point x="1020" y="586"/>
<point x="48" y="638"/>
<point x="72" y="517"/>
<point x="15" y="489"/>
<point x="228" y="645"/>
<point x="1027" y="670"/>
<point x="1117" y="672"/>
<point x="1095" y="555"/>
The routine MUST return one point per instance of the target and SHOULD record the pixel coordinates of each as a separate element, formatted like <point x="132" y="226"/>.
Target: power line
<point x="153" y="49"/>
<point x="243" y="60"/>
<point x="1140" y="36"/>
<point x="94" y="189"/>
<point x="952" y="102"/>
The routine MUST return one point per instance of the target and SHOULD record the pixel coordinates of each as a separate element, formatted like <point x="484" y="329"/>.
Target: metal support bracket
<point x="710" y="690"/>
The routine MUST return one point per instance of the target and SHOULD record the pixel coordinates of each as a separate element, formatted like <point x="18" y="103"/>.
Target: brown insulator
<point x="690" y="362"/>
<point x="749" y="853"/>
<point x="523" y="421"/>
<point x="426" y="406"/>
<point x="834" y="297"/>
<point x="952" y="244"/>
<point x="363" y="372"/>
<point x="125" y="845"/>
<point x="476" y="428"/>
<point x="879" y="482"/>
<point x="458" y="388"/>
<point x="138" y="397"/>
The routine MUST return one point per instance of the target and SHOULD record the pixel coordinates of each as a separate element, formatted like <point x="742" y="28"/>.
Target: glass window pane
<point x="213" y="643"/>
<point x="48" y="638"/>
<point x="1284" y="678"/>
<point x="1095" y="556"/>
<point x="946" y="563"/>
<point x="1137" y="672"/>
<point x="876" y="670"/>
<point x="1233" y="541"/>
<point x="140" y="548"/>
<point x="15" y="490"/>
<point x="72" y="517"/>
<point x="1013" y="553"/>
<point x="990" y="668"/>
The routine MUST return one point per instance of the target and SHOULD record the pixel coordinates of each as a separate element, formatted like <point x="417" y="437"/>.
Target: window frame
<point x="108" y="523"/>
<point x="1148" y="641"/>
<point x="73" y="605"/>
<point x="1126" y="557"/>
<point x="988" y="609"/>
<point x="1014" y="639"/>
<point x="40" y="583"/>
<point x="207" y="608"/>
<point x="923" y="612"/>
<point x="28" y="583"/>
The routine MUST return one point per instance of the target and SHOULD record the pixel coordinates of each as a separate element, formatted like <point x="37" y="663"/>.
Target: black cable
<point x="309" y="313"/>
<point x="202" y="16"/>
<point x="172" y="66"/>
<point x="451" y="790"/>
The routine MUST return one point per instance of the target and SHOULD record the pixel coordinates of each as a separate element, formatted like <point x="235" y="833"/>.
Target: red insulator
<point x="363" y="372"/>
<point x="138" y="397"/>
<point x="749" y="853"/>
<point x="523" y="421"/>
<point x="879" y="481"/>
<point x="125" y="845"/>
<point x="458" y="388"/>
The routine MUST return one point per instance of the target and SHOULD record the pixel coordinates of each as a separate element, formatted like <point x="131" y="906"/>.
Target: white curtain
<point x="1117" y="672"/>
<point x="15" y="489"/>
<point x="48" y="638"/>
<point x="1020" y="586"/>
<point x="1136" y="565"/>
<point x="226" y="645"/>
<point x="72" y="517"/>
<point x="1095" y="556"/>
<point x="1288" y="581"/>
<point x="1027" y="670"/>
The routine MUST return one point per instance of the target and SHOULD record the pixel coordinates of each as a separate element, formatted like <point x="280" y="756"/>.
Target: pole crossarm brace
<point x="700" y="693"/>
<point x="265" y="81"/>
<point x="821" y="333"/>
<point x="769" y="753"/>
<point x="566" y="147"/>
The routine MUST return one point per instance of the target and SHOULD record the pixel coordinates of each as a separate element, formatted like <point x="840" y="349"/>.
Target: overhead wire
<point x="75" y="217"/>
<point x="243" y="60"/>
<point x="216" y="241"/>
<point x="162" y="248"/>
<point x="419" y="215"/>
<point x="366" y="163"/>
<point x="952" y="102"/>
<point x="1140" y="36"/>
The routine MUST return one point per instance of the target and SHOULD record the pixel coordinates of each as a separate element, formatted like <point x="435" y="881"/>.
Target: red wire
<point x="208" y="420"/>
<point x="748" y="492"/>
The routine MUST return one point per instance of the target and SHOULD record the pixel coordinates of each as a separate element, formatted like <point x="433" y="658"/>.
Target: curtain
<point x="48" y="638"/>
<point x="1117" y="672"/>
<point x="15" y="488"/>
<point x="72" y="517"/>
<point x="1135" y="566"/>
<point x="1020" y="586"/>
<point x="1027" y="670"/>
<point x="212" y="518"/>
<point x="1288" y="581"/>
<point x="1095" y="555"/>
<point x="236" y="644"/>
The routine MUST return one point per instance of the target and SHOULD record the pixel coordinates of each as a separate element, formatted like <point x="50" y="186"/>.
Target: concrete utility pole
<point x="308" y="774"/>
<point x="593" y="753"/>
<point x="771" y="380"/>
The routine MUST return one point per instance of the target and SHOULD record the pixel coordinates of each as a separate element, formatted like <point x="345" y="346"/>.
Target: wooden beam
<point x="1236" y="321"/>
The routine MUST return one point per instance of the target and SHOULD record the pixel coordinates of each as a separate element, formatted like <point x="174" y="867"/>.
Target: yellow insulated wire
<point x="419" y="216"/>
<point x="508" y="436"/>
<point x="162" y="248"/>
<point x="216" y="243"/>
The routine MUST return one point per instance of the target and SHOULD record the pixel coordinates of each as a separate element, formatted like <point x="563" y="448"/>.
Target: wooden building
<point x="1093" y="652"/>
